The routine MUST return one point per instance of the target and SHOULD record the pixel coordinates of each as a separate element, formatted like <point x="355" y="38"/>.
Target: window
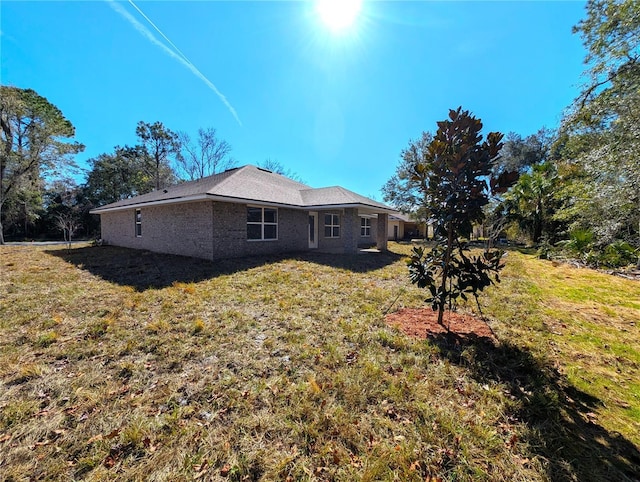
<point x="138" y="219"/>
<point x="262" y="223"/>
<point x="365" y="227"/>
<point x="331" y="226"/>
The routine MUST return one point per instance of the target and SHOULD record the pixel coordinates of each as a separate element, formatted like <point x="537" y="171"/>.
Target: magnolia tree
<point x="456" y="177"/>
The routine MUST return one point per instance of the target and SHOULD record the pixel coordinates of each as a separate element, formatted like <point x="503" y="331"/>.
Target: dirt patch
<point x="423" y="323"/>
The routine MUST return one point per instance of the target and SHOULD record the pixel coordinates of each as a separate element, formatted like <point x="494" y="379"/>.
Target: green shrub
<point x="619" y="254"/>
<point x="579" y="240"/>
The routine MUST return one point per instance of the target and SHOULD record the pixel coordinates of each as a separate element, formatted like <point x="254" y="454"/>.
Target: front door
<point x="313" y="230"/>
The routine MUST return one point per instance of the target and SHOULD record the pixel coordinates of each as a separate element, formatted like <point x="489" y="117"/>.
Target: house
<point x="401" y="226"/>
<point x="245" y="211"/>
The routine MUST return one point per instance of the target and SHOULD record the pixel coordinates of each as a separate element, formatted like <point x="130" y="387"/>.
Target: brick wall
<point x="350" y="230"/>
<point x="367" y="241"/>
<point x="330" y="245"/>
<point x="230" y="232"/>
<point x="184" y="229"/>
<point x="202" y="230"/>
<point x="381" y="231"/>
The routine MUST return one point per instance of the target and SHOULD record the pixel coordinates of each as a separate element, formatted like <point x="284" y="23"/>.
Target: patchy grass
<point x="118" y="364"/>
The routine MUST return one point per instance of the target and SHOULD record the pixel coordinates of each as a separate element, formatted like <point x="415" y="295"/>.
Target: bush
<point x="619" y="254"/>
<point x="579" y="240"/>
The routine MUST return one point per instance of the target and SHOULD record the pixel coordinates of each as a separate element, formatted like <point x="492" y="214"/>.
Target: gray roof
<point x="402" y="217"/>
<point x="251" y="184"/>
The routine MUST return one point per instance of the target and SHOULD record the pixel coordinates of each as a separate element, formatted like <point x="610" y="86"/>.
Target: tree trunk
<point x="445" y="273"/>
<point x="157" y="174"/>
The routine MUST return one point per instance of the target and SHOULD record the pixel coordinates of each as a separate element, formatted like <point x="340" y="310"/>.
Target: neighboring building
<point x="242" y="212"/>
<point x="401" y="227"/>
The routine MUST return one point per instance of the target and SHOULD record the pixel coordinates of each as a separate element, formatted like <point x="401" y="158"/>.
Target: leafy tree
<point x="32" y="133"/>
<point x="206" y="156"/>
<point x="456" y="178"/>
<point x="117" y="176"/>
<point x="611" y="35"/>
<point x="518" y="155"/>
<point x="22" y="208"/>
<point x="521" y="154"/>
<point x="605" y="122"/>
<point x="158" y="144"/>
<point x="63" y="197"/>
<point x="531" y="202"/>
<point x="403" y="191"/>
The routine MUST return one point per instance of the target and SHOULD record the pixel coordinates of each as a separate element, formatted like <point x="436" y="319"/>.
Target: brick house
<point x="245" y="211"/>
<point x="401" y="226"/>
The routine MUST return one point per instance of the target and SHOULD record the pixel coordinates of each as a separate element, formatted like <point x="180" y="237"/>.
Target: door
<point x="313" y="230"/>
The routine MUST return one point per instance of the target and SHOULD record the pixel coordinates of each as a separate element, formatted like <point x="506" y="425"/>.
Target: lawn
<point x="124" y="365"/>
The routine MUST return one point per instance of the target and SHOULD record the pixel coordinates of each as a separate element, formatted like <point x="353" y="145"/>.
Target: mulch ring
<point x="423" y="323"/>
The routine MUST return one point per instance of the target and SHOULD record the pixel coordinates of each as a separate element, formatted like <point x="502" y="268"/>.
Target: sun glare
<point x="338" y="14"/>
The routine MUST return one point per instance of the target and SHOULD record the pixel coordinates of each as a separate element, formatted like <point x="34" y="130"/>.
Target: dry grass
<point x="121" y="365"/>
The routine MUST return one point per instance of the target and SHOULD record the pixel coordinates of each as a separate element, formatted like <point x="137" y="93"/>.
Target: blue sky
<point x="337" y="107"/>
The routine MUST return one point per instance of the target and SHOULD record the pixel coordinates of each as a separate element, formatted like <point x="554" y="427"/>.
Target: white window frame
<point x="138" y="223"/>
<point x="365" y="227"/>
<point x="333" y="225"/>
<point x="262" y="223"/>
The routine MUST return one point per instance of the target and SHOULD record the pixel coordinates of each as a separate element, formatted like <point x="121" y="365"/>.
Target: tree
<point x="605" y="120"/>
<point x="521" y="154"/>
<point x="31" y="141"/>
<point x="403" y="191"/>
<point x="68" y="224"/>
<point x="531" y="202"/>
<point x="117" y="176"/>
<point x="22" y="207"/>
<point x="611" y="35"/>
<point x="158" y="143"/>
<point x="456" y="178"/>
<point x="206" y="156"/>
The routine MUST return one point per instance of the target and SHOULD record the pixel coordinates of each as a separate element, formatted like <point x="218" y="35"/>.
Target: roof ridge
<point x="229" y="176"/>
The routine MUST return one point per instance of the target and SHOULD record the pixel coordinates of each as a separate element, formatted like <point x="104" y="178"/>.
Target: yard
<point x="124" y="365"/>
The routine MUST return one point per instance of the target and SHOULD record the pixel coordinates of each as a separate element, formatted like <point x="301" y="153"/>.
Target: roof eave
<point x="377" y="209"/>
<point x="237" y="200"/>
<point x="159" y="202"/>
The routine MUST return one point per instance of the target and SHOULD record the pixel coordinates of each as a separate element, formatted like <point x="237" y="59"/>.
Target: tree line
<point x="39" y="196"/>
<point x="578" y="187"/>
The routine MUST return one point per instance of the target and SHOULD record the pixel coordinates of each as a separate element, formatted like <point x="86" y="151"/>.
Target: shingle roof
<point x="250" y="184"/>
<point x="401" y="217"/>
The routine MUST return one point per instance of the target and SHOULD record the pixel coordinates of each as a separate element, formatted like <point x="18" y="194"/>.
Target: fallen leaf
<point x="109" y="461"/>
<point x="315" y="388"/>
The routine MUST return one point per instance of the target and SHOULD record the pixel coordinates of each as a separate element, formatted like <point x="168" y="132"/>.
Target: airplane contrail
<point x="160" y="32"/>
<point x="180" y="58"/>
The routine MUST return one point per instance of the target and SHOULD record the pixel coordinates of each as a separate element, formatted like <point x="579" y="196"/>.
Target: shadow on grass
<point x="560" y="417"/>
<point x="145" y="269"/>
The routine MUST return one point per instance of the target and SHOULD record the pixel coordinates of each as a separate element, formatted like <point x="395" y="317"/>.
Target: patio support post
<point x="381" y="234"/>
